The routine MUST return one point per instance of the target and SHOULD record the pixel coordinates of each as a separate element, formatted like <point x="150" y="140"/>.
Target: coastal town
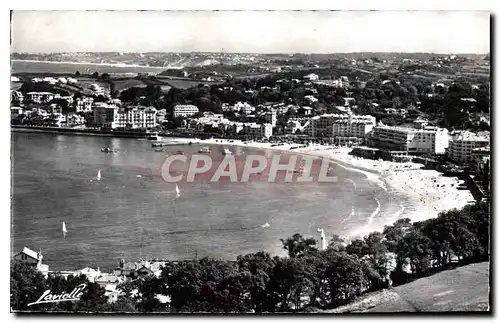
<point x="402" y="199"/>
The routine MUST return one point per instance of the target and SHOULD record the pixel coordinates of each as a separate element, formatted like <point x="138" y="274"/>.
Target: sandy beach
<point x="430" y="191"/>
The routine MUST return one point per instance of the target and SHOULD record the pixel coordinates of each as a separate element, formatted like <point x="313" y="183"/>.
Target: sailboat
<point x="177" y="191"/>
<point x="98" y="175"/>
<point x="64" y="229"/>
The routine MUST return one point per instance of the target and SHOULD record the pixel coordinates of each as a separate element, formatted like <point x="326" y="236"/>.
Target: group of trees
<point x="308" y="277"/>
<point x="27" y="285"/>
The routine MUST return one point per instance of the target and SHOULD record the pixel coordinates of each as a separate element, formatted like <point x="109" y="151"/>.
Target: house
<point x="310" y="98"/>
<point x="34" y="258"/>
<point x="107" y="279"/>
<point x="185" y="110"/>
<point x="144" y="271"/>
<point x="29" y="256"/>
<point x="312" y="77"/>
<point x="16" y="96"/>
<point x="15" y="112"/>
<point x="41" y="97"/>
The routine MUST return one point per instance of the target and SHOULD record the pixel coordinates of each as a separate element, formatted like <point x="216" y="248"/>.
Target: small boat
<point x="159" y="150"/>
<point x="108" y="150"/>
<point x="64" y="229"/>
<point x="204" y="150"/>
<point x="265" y="225"/>
<point x="158" y="144"/>
<point x="153" y="136"/>
<point x="98" y="175"/>
<point x="177" y="191"/>
<point x="227" y="152"/>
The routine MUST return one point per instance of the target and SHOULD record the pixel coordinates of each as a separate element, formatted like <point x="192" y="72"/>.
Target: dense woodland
<point x="307" y="278"/>
<point x="440" y="104"/>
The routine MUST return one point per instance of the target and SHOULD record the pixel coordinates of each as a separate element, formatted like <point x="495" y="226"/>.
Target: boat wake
<point x="353" y="183"/>
<point x="349" y="216"/>
<point x="213" y="230"/>
<point x="374" y="213"/>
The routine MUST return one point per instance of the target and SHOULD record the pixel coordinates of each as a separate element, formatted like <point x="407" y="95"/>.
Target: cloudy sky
<point x="251" y="31"/>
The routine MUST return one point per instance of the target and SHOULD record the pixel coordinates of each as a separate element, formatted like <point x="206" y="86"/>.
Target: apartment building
<point x="464" y="145"/>
<point x="431" y="140"/>
<point x="342" y="125"/>
<point x="185" y="110"/>
<point x="132" y="117"/>
<point x="98" y="90"/>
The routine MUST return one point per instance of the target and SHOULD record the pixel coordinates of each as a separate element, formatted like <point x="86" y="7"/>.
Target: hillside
<point x="462" y="289"/>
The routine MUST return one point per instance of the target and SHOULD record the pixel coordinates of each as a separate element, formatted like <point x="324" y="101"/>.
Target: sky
<point x="251" y="31"/>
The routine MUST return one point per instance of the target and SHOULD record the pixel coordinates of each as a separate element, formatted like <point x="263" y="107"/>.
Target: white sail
<point x="177" y="191"/>
<point x="64" y="229"/>
<point x="99" y="175"/>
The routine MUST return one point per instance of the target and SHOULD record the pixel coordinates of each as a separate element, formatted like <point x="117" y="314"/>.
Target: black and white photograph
<point x="250" y="162"/>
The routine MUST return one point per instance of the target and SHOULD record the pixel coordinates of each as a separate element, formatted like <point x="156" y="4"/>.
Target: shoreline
<point x="429" y="191"/>
<point x="78" y="132"/>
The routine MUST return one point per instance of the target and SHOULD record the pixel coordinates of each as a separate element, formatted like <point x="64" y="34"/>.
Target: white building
<point x="49" y="80"/>
<point x="462" y="146"/>
<point x="34" y="258"/>
<point x="312" y="77"/>
<point x="352" y="128"/>
<point x="185" y="110"/>
<point x="431" y="140"/>
<point x="244" y="107"/>
<point x="342" y="125"/>
<point x="311" y="99"/>
<point x="98" y="90"/>
<point x="90" y="273"/>
<point x="74" y="120"/>
<point x="84" y="104"/>
<point x="57" y="119"/>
